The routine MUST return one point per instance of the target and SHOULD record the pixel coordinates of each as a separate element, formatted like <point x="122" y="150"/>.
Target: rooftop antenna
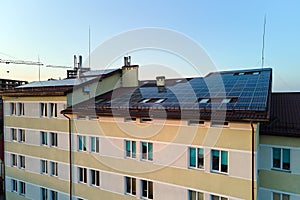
<point x="89" y="47"/>
<point x="263" y="44"/>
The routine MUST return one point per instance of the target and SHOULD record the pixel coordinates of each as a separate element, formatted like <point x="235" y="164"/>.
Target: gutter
<point x="70" y="156"/>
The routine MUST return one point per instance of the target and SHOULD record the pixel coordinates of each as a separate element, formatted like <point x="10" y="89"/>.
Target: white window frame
<point x="13" y="109"/>
<point x="22" y="161"/>
<point x="281" y="159"/>
<point x="14" y="185"/>
<point x="82" y="171"/>
<point x="53" y="168"/>
<point x="217" y="196"/>
<point x="280" y="195"/>
<point x="53" y="195"/>
<point x="42" y="133"/>
<point x="132" y="186"/>
<point x="14" y="160"/>
<point x="43" y="109"/>
<point x="21" y="109"/>
<point x="14" y="134"/>
<point x="196" y="157"/>
<point x="220" y="161"/>
<point x="44" y="166"/>
<point x="147" y="157"/>
<point x="22" y="188"/>
<point x="197" y="194"/>
<point x="81" y="147"/>
<point x="22" y="135"/>
<point x="95" y="144"/>
<point x="94" y="176"/>
<point x="147" y="189"/>
<point x="44" y="191"/>
<point x="131" y="153"/>
<point x="53" y="139"/>
<point x="53" y="110"/>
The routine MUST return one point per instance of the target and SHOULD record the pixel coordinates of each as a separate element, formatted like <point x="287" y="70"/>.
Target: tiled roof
<point x="234" y="95"/>
<point x="284" y="115"/>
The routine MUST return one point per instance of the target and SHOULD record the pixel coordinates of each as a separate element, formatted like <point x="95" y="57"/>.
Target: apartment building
<point x="191" y="138"/>
<point x="279" y="149"/>
<point x="36" y="135"/>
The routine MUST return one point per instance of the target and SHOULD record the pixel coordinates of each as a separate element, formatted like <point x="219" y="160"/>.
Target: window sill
<point x="195" y="168"/>
<point x="281" y="170"/>
<point x="218" y="172"/>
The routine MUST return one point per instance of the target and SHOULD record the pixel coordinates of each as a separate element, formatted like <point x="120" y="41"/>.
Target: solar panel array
<point x="235" y="90"/>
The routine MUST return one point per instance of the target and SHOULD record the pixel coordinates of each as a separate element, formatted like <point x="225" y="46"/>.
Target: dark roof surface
<point x="284" y="115"/>
<point x="239" y="95"/>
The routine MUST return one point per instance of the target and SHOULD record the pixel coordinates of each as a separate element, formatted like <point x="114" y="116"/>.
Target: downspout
<point x="252" y="160"/>
<point x="70" y="155"/>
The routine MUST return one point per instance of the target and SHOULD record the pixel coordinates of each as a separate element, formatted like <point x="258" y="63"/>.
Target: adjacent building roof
<point x="284" y="115"/>
<point x="58" y="87"/>
<point x="230" y="95"/>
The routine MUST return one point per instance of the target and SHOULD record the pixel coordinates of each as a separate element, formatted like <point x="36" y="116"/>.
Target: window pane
<point x="133" y="149"/>
<point x="97" y="145"/>
<point x="128" y="148"/>
<point x="144" y="188"/>
<point x="285" y="197"/>
<point x="128" y="185"/>
<point x="192" y="195"/>
<point x="200" y="196"/>
<point x="192" y="157"/>
<point x="213" y="197"/>
<point x="150" y="151"/>
<point x="276" y="157"/>
<point x="276" y="196"/>
<point x="93" y="148"/>
<point x="144" y="150"/>
<point x="200" y="158"/>
<point x="286" y="159"/>
<point x="215" y="159"/>
<point x="150" y="190"/>
<point x="80" y="142"/>
<point x="224" y="161"/>
<point x="133" y="186"/>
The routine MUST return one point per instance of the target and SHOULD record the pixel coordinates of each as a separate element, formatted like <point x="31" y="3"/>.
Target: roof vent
<point x="160" y="81"/>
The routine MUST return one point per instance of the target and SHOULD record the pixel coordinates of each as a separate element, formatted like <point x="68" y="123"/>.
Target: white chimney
<point x="129" y="74"/>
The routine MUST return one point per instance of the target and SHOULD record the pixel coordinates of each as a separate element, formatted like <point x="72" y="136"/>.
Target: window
<point x="194" y="195"/>
<point x="22" y="162"/>
<point x="14" y="161"/>
<point x="147" y="151"/>
<point x="215" y="197"/>
<point x="43" y="109"/>
<point x="81" y="143"/>
<point x="95" y="144"/>
<point x="53" y="139"/>
<point x="53" y="195"/>
<point x="22" y="188"/>
<point x="13" y="133"/>
<point x="44" y="138"/>
<point x="54" y="168"/>
<point x="44" y="166"/>
<point x="44" y="194"/>
<point x="21" y="135"/>
<point x="147" y="189"/>
<point x="130" y="185"/>
<point x="14" y="185"/>
<point x="281" y="158"/>
<point x="21" y="110"/>
<point x="280" y="196"/>
<point x="219" y="161"/>
<point x="219" y="124"/>
<point x="204" y="100"/>
<point x="53" y="109"/>
<point x="130" y="149"/>
<point x="12" y="108"/>
<point x="95" y="177"/>
<point x="193" y="122"/>
<point x="196" y="158"/>
<point x="82" y="175"/>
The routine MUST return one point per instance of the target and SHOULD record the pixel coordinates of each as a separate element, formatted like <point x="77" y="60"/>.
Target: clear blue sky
<point x="230" y="32"/>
